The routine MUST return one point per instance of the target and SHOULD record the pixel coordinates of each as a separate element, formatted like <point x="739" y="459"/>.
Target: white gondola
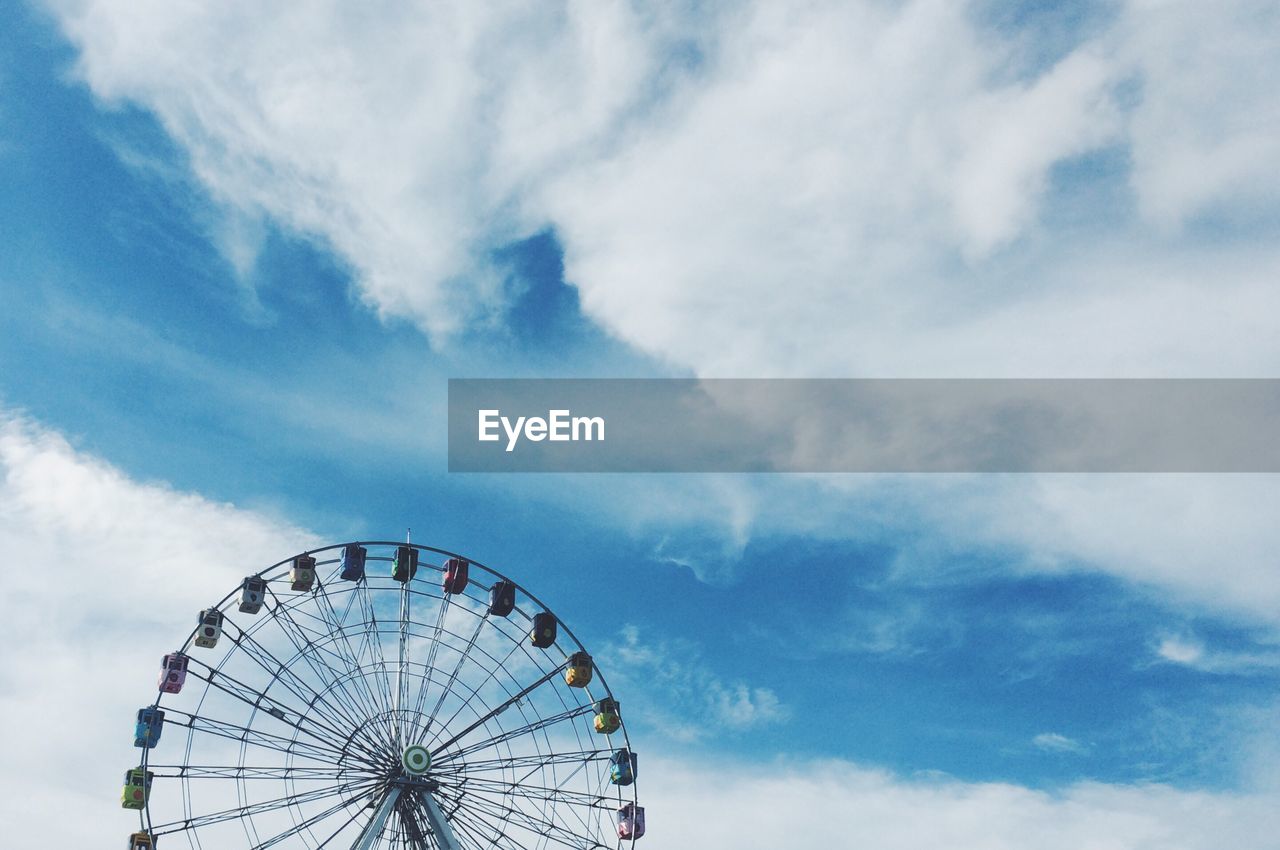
<point x="303" y="572"/>
<point x="252" y="591"/>
<point x="209" y="628"/>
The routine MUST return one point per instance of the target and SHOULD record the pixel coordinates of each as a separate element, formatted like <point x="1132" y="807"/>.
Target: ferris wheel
<point x="382" y="695"/>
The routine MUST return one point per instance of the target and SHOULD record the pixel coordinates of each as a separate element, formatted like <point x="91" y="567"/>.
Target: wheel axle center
<point x="416" y="760"/>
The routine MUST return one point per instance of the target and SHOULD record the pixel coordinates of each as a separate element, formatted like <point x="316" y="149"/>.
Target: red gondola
<point x="455" y="575"/>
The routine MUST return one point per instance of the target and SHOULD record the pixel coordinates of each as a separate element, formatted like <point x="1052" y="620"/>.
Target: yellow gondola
<point x="578" y="673"/>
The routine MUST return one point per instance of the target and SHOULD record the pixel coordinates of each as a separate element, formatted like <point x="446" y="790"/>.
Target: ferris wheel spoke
<point x="535" y="761"/>
<point x="304" y="639"/>
<point x="373" y="642"/>
<point x="535" y="823"/>
<point x="262" y="807"/>
<point x="420" y="702"/>
<point x="415" y="833"/>
<point x="314" y="820"/>
<point x="458" y="824"/>
<point x="453" y="678"/>
<point x="541" y="769"/>
<point x="402" y="628"/>
<point x="520" y="788"/>
<point x="491" y="676"/>
<point x="513" y="796"/>
<point x="503" y="805"/>
<point x="370" y="645"/>
<point x="329" y="617"/>
<point x="476" y="838"/>
<point x="507" y="735"/>
<point x="317" y="647"/>
<point x="346" y="705"/>
<point x="305" y="772"/>
<point x="256" y="737"/>
<point x="342" y="828"/>
<point x="269" y="664"/>
<point x="389" y="830"/>
<point x="480" y="834"/>
<point x="494" y="712"/>
<point x="575" y="800"/>
<point x="256" y="700"/>
<point x="411" y="834"/>
<point x="333" y="718"/>
<point x="483" y="833"/>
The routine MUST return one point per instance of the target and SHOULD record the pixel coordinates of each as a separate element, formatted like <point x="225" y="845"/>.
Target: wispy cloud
<point x="1180" y="650"/>
<point x="1052" y="742"/>
<point x="1189" y="651"/>
<point x="685" y="699"/>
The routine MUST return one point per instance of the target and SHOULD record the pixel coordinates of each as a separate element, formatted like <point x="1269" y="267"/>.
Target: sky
<point x="244" y="247"/>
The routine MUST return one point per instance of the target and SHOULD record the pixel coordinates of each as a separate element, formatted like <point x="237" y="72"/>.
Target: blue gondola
<point x="624" y="767"/>
<point x="352" y="562"/>
<point x="502" y="598"/>
<point x="146" y="733"/>
<point x="543" y="633"/>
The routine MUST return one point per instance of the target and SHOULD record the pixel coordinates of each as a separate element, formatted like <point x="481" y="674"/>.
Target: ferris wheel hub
<point x="416" y="760"/>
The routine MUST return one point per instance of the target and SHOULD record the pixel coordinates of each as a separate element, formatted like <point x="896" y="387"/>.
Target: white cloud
<point x="1203" y="542"/>
<point x="821" y="188"/>
<point x="879" y="143"/>
<point x="835" y="804"/>
<point x="1180" y="650"/>
<point x="117" y="567"/>
<point x="104" y="575"/>
<point x="1205" y="539"/>
<point x="1190" y="651"/>
<point x="403" y="139"/>
<point x="811" y="189"/>
<point x="830" y="188"/>
<point x="808" y="202"/>
<point x="1206" y="130"/>
<point x="1054" y="742"/>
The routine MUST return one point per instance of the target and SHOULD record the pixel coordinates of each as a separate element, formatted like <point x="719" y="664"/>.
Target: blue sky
<point x="244" y="352"/>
